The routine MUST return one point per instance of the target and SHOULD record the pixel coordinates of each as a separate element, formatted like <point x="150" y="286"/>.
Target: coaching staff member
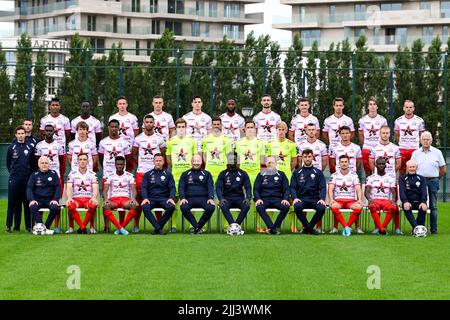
<point x="432" y="167"/>
<point x="44" y="191"/>
<point x="413" y="194"/>
<point x="20" y="162"/>
<point x="308" y="189"/>
<point x="158" y="191"/>
<point x="234" y="190"/>
<point x="196" y="190"/>
<point x="271" y="190"/>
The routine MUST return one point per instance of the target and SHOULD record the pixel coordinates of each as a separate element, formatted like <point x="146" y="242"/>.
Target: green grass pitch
<point x="216" y="266"/>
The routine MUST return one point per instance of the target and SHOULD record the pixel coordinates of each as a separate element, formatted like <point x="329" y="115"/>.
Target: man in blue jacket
<point x="20" y="164"/>
<point x="308" y="189"/>
<point x="158" y="191"/>
<point x="271" y="190"/>
<point x="196" y="190"/>
<point x="234" y="190"/>
<point x="44" y="191"/>
<point x="413" y="194"/>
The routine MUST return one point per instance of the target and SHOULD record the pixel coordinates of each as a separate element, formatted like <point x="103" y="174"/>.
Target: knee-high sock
<point x="397" y="218"/>
<point x="131" y="214"/>
<point x="109" y="215"/>
<point x="137" y="217"/>
<point x="90" y="217"/>
<point x="71" y="224"/>
<point x="338" y="217"/>
<point x="376" y="219"/>
<point x="335" y="222"/>
<point x="76" y="216"/>
<point x="353" y="217"/>
<point x="388" y="219"/>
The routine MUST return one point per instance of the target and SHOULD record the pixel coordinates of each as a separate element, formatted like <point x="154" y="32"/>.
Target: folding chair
<point x="270" y="212"/>
<point x="234" y="212"/>
<point x="155" y="211"/>
<point x="193" y="211"/>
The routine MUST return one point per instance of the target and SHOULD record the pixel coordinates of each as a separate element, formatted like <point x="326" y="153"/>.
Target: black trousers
<point x="235" y="203"/>
<point x="168" y="211"/>
<point x="17" y="197"/>
<point x="197" y="203"/>
<point x="320" y="211"/>
<point x="54" y="210"/>
<point x="275" y="204"/>
<point x="410" y="216"/>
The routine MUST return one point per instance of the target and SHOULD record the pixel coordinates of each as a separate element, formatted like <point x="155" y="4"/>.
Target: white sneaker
<point x="334" y="230"/>
<point x="92" y="230"/>
<point x="70" y="230"/>
<point x="359" y="231"/>
<point x="320" y="231"/>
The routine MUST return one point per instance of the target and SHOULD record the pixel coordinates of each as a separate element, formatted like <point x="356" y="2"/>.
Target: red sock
<point x="88" y="218"/>
<point x="109" y="215"/>
<point x="131" y="214"/>
<point x="353" y="217"/>
<point x="71" y="222"/>
<point x="137" y="217"/>
<point x="387" y="219"/>
<point x="76" y="216"/>
<point x="338" y="217"/>
<point x="376" y="219"/>
<point x="92" y="220"/>
<point x="121" y="216"/>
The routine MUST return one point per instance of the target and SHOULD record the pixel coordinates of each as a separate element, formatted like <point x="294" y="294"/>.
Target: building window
<point x="302" y="13"/>
<point x="149" y="47"/>
<point x="128" y="25"/>
<point x="175" y="6"/>
<point x="153" y="6"/>
<point x="135" y="5"/>
<point x="309" y="36"/>
<point x="360" y="11"/>
<point x="232" y="10"/>
<point x="213" y="8"/>
<point x="115" y="24"/>
<point x="445" y="9"/>
<point x="231" y="31"/>
<point x="360" y="32"/>
<point x="137" y="47"/>
<point x="46" y="25"/>
<point x="376" y="35"/>
<point x="206" y="30"/>
<point x="390" y="6"/>
<point x="425" y="5"/>
<point x="427" y="34"/>
<point x="175" y="27"/>
<point x="332" y="11"/>
<point x="98" y="45"/>
<point x="51" y="88"/>
<point x="155" y="27"/>
<point x="444" y="34"/>
<point x="195" y="29"/>
<point x="401" y="36"/>
<point x="92" y="21"/>
<point x="35" y="27"/>
<point x="200" y="7"/>
<point x="51" y="60"/>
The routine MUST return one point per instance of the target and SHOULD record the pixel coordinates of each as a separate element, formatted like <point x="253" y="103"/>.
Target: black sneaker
<point x="275" y="231"/>
<point x="85" y="231"/>
<point x="155" y="231"/>
<point x="161" y="232"/>
<point x="8" y="230"/>
<point x="106" y="230"/>
<point x="314" y="232"/>
<point x="383" y="233"/>
<point x="304" y="231"/>
<point x="80" y="231"/>
<point x="16" y="229"/>
<point x="198" y="231"/>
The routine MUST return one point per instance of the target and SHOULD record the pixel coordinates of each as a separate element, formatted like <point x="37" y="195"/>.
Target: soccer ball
<point x="234" y="230"/>
<point x="420" y="231"/>
<point x="39" y="229"/>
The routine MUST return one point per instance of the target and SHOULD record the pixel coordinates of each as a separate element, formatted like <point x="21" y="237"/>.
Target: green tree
<point x="274" y="82"/>
<point x="200" y="77"/>
<point x="312" y="77"/>
<point x="6" y="130"/>
<point x="38" y="104"/>
<point x="418" y="77"/>
<point x="243" y="96"/>
<point x="293" y="71"/>
<point x="23" y="64"/>
<point x="403" y="79"/>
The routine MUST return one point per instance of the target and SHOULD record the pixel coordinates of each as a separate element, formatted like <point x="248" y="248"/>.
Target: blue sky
<point x="272" y="8"/>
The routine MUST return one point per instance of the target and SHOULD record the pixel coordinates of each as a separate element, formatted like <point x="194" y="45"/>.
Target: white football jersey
<point x="82" y="183"/>
<point x="344" y="185"/>
<point x="232" y="126"/>
<point x="381" y="186"/>
<point x="319" y="150"/>
<point x="266" y="125"/>
<point x="127" y="124"/>
<point x="331" y="125"/>
<point x="163" y="122"/>
<point x="353" y="151"/>
<point x="94" y="124"/>
<point x="299" y="124"/>
<point x="409" y="130"/>
<point x="120" y="186"/>
<point x="371" y="129"/>
<point x="148" y="147"/>
<point x="389" y="152"/>
<point x="111" y="149"/>
<point x="61" y="124"/>
<point x="76" y="147"/>
<point x="197" y="126"/>
<point x="52" y="151"/>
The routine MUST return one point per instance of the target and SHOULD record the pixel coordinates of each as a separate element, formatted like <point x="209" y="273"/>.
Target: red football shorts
<point x="119" y="202"/>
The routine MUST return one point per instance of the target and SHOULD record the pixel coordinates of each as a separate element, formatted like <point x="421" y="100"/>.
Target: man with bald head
<point x="196" y="190"/>
<point x="413" y="194"/>
<point x="44" y="191"/>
